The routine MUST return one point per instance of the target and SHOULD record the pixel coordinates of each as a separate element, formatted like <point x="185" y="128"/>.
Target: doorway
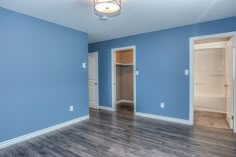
<point x="123" y="80"/>
<point x="93" y="80"/>
<point x="212" y="81"/>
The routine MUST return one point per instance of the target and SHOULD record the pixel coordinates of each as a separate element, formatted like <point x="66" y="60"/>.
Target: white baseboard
<point x="106" y="108"/>
<point x="169" y="119"/>
<point x="208" y="110"/>
<point x="229" y="120"/>
<point x="228" y="115"/>
<point x="41" y="132"/>
<point x="96" y="108"/>
<point x="124" y="101"/>
<point x="119" y="101"/>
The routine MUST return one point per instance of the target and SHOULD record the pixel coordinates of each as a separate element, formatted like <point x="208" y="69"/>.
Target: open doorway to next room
<point x="213" y="83"/>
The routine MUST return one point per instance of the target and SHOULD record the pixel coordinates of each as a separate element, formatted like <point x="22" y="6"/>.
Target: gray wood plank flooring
<point x="109" y="134"/>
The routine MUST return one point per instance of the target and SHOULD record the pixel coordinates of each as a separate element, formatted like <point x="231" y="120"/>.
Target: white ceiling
<point x="138" y="16"/>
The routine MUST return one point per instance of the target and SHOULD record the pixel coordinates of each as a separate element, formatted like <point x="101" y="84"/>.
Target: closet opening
<point x="123" y="71"/>
<point x="214" y="82"/>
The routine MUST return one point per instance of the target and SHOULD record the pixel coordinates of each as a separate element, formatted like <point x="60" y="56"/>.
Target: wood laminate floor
<point x="109" y="134"/>
<point x="211" y="119"/>
<point x="125" y="108"/>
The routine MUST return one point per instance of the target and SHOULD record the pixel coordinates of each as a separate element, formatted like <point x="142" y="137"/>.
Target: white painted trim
<point x="191" y="81"/>
<point x="96" y="108"/>
<point x="119" y="101"/>
<point x="41" y="132"/>
<point x="124" y="101"/>
<point x="220" y="35"/>
<point x="97" y="78"/>
<point x="198" y="109"/>
<point x="113" y="79"/>
<point x="213" y="45"/>
<point x="169" y="119"/>
<point x="113" y="72"/>
<point x="234" y="82"/>
<point x="106" y="108"/>
<point x="229" y="120"/>
<point x="191" y="69"/>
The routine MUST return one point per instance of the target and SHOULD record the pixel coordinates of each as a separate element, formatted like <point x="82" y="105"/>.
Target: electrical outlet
<point x="71" y="108"/>
<point x="162" y="105"/>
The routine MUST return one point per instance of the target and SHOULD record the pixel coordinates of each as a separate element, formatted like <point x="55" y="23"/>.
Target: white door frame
<point x="113" y="73"/>
<point x="191" y="69"/>
<point x="97" y="78"/>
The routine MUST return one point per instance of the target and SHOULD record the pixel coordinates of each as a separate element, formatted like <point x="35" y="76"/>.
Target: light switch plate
<point x="186" y="72"/>
<point x="162" y="105"/>
<point x="137" y="73"/>
<point x="71" y="108"/>
<point x="84" y="65"/>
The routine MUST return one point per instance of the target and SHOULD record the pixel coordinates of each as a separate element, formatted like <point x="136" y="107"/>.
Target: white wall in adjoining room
<point x="209" y="78"/>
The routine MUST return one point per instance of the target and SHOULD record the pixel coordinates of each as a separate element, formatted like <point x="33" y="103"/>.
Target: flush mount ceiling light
<point x="107" y="8"/>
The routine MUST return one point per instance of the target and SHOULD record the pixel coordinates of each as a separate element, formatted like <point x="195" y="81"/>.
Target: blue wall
<point x="161" y="57"/>
<point x="40" y="74"/>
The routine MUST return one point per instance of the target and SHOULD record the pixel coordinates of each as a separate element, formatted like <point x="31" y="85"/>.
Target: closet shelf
<point x="125" y="64"/>
<point x="199" y="83"/>
<point x="219" y="95"/>
<point x="216" y="74"/>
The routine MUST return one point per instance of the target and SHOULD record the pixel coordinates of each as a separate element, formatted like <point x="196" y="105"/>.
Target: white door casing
<point x="229" y="82"/>
<point x="93" y="80"/>
<point x="234" y="83"/>
<point x="191" y="68"/>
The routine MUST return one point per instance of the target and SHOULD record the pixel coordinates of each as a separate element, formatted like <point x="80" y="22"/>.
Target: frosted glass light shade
<point x="107" y="6"/>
